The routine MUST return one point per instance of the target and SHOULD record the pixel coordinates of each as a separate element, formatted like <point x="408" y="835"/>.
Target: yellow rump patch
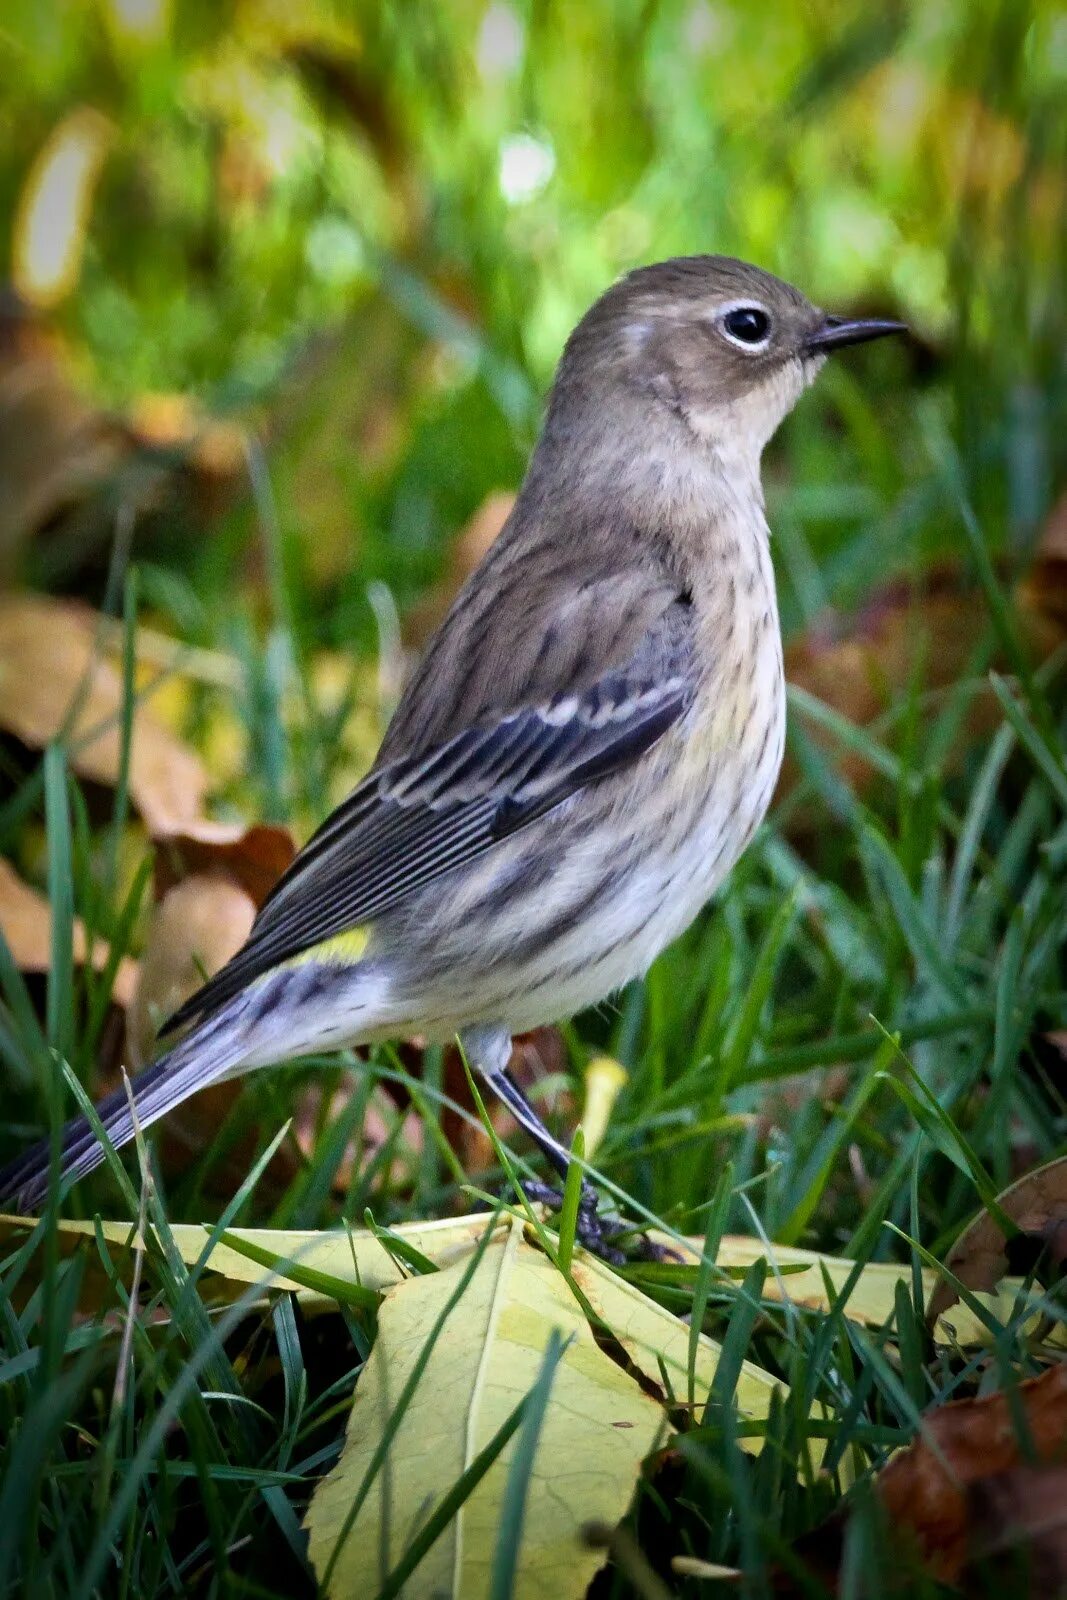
<point x="343" y="950"/>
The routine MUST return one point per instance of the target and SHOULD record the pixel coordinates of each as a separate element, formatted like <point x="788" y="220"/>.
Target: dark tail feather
<point x="206" y="1055"/>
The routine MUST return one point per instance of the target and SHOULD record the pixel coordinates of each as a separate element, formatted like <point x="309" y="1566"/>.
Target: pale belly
<point x="662" y="897"/>
<point x="596" y="905"/>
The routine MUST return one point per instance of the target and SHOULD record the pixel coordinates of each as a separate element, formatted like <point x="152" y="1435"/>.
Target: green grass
<point x="919" y="951"/>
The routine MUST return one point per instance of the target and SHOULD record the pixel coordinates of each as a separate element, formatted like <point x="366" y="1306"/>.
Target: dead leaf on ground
<point x="957" y="1495"/>
<point x="658" y="1344"/>
<point x="1037" y="1204"/>
<point x="597" y="1426"/>
<point x="931" y="1490"/>
<point x="1018" y="1522"/>
<point x="350" y="1255"/>
<point x="26" y="923"/>
<point x="252" y="857"/>
<point x="195" y="929"/>
<point x="50" y="671"/>
<point x="481" y="1342"/>
<point x="812" y="1279"/>
<point x="859" y="664"/>
<point x="210" y="880"/>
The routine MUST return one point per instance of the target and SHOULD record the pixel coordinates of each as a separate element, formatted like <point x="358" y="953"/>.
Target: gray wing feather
<point x="422" y="814"/>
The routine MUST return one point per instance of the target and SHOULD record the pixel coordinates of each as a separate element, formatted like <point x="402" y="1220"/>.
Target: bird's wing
<point x="417" y="816"/>
<point x="532" y="623"/>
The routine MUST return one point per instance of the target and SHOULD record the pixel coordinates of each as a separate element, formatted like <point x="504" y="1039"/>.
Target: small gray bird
<point x="586" y="749"/>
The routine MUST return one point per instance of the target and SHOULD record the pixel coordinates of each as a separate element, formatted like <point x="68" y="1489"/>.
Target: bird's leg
<point x="488" y="1050"/>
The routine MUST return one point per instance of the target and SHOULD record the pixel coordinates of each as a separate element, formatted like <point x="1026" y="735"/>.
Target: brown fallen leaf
<point x="53" y="680"/>
<point x="952" y="1498"/>
<point x="858" y="664"/>
<point x="1018" y="1522"/>
<point x="1037" y="1204"/>
<point x="195" y="929"/>
<point x="928" y="1489"/>
<point x="252" y="857"/>
<point x="210" y="880"/>
<point x="26" y="923"/>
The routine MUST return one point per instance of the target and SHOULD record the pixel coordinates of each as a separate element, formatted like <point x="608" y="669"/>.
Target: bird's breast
<point x="711" y="780"/>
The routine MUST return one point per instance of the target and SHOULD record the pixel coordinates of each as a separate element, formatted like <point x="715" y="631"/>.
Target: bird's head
<point x="723" y="347"/>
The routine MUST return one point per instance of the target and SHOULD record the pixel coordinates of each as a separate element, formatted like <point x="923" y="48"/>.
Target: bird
<point x="588" y="745"/>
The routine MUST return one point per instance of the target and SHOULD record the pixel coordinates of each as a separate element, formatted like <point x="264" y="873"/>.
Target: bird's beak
<point x="835" y="332"/>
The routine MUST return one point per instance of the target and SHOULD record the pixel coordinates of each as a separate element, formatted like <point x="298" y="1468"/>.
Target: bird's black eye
<point x="747" y="325"/>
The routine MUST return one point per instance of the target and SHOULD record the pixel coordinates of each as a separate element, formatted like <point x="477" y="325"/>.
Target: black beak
<point x="836" y="332"/>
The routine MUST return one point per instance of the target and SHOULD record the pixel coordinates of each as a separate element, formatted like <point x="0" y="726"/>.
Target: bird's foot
<point x="595" y="1233"/>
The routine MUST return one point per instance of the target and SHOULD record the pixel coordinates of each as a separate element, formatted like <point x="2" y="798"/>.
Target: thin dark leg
<point x="509" y="1093"/>
<point x="489" y="1051"/>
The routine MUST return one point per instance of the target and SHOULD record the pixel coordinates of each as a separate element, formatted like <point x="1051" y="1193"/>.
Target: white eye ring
<point x="758" y="312"/>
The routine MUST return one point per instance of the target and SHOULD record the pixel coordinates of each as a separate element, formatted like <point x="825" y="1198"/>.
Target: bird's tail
<point x="217" y="1047"/>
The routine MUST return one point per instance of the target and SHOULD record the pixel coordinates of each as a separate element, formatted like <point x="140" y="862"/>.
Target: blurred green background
<point x="363" y="233"/>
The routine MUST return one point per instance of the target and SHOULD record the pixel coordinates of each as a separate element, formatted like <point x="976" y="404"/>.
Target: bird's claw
<point x="592" y="1231"/>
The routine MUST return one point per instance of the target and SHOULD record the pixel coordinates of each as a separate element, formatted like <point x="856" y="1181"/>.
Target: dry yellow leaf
<point x="642" y="1327"/>
<point x="645" y="1329"/>
<point x="598" y="1427"/>
<point x="651" y="1335"/>
<point x="356" y="1257"/>
<point x="872" y="1298"/>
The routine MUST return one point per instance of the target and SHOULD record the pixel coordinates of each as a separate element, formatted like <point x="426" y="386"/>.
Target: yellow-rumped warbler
<point x="586" y="749"/>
